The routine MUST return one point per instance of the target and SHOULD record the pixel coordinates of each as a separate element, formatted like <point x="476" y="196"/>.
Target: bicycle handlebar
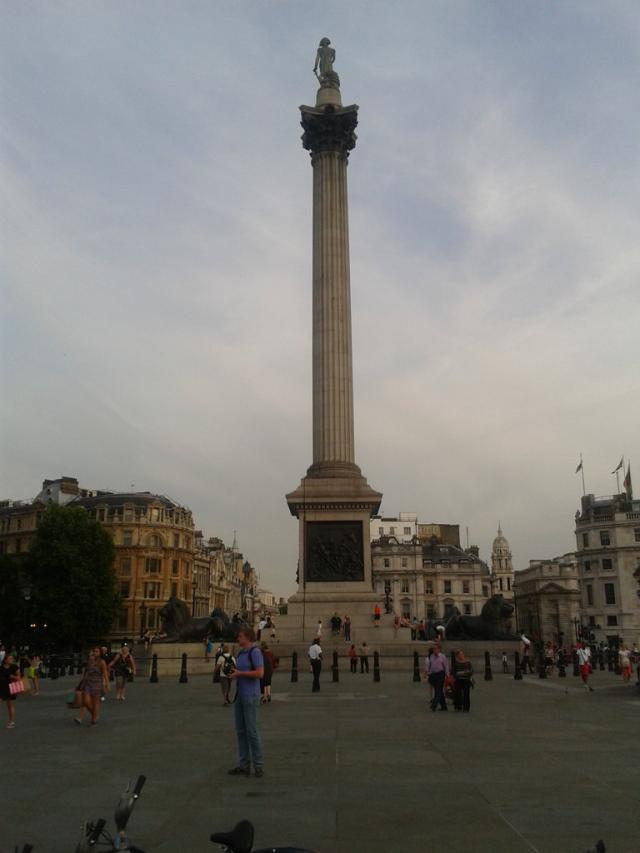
<point x="139" y="785"/>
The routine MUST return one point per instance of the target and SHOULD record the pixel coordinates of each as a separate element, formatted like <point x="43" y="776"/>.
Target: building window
<point x="592" y="621"/>
<point x="404" y="562"/>
<point x="447" y="587"/>
<point x="176" y="540"/>
<point x="381" y="531"/>
<point x="509" y="584"/>
<point x="466" y="587"/>
<point x="612" y="619"/>
<point x="151" y="589"/>
<point x="589" y="595"/>
<point x="128" y="514"/>
<point x="18" y="524"/>
<point x="636" y="534"/>
<point x="431" y="611"/>
<point x="100" y="515"/>
<point x="123" y="620"/>
<point x="467" y="610"/>
<point x="607" y="564"/>
<point x="500" y="583"/>
<point x="174" y="590"/>
<point x="429" y="587"/>
<point x="392" y="531"/>
<point x="386" y="562"/>
<point x="152" y="565"/>
<point x="151" y="618"/>
<point x="155" y="514"/>
<point x="155" y="541"/>
<point x="485" y="591"/>
<point x="407" y="531"/>
<point x="605" y="539"/>
<point x="585" y="540"/>
<point x="609" y="593"/>
<point x="404" y="586"/>
<point x="127" y="537"/>
<point x="125" y="566"/>
<point x="587" y="565"/>
<point x="187" y="569"/>
<point x="174" y="567"/>
<point x="124" y="589"/>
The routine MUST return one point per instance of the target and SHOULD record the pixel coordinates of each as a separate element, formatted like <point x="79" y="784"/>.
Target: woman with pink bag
<point x="10" y="675"/>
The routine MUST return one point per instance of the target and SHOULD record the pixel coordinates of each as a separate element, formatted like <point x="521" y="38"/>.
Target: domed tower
<point x="501" y="567"/>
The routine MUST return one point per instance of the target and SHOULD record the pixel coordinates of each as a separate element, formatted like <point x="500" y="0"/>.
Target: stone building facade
<point x="501" y="567"/>
<point x="155" y="549"/>
<point x="608" y="540"/>
<point x="547" y="599"/>
<point x="429" y="578"/>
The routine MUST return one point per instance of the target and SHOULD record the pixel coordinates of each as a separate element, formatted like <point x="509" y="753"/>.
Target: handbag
<point x="16" y="687"/>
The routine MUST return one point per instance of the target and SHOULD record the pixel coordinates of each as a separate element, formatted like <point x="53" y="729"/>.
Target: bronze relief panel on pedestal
<point x="333" y="551"/>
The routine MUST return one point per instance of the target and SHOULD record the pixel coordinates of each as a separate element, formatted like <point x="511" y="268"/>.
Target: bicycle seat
<point x="239" y="840"/>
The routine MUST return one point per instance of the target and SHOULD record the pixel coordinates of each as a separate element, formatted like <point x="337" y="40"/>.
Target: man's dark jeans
<point x="364" y="664"/>
<point x="316" y="668"/>
<point x="437" y="680"/>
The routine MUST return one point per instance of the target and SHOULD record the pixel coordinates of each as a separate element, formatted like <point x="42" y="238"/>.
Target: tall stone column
<point x="334" y="502"/>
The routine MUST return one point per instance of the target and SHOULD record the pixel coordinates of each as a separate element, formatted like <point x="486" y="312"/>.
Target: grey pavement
<point x="536" y="766"/>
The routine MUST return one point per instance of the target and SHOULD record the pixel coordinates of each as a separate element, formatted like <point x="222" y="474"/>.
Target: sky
<point x="156" y="257"/>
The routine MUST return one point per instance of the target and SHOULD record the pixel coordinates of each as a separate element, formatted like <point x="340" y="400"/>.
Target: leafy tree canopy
<point x="70" y="566"/>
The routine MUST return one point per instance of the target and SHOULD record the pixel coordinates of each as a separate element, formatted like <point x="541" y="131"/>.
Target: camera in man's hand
<point x="228" y="668"/>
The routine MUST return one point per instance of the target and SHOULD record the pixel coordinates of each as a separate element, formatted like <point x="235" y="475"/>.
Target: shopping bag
<point x="16" y="687"/>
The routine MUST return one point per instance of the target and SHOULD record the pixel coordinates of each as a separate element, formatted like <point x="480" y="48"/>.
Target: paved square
<point x="536" y="765"/>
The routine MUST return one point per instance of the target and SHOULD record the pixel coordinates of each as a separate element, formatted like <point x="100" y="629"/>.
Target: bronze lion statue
<point x="179" y="627"/>
<point x="494" y="622"/>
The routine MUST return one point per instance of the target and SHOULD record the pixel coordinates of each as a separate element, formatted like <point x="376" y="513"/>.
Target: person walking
<point x="94" y="683"/>
<point x="9" y="673"/>
<point x="584" y="663"/>
<point x="33" y="673"/>
<point x="463" y="675"/>
<point x="249" y="670"/>
<point x="224" y="666"/>
<point x="347" y="629"/>
<point x="315" y="659"/>
<point x="505" y="662"/>
<point x="124" y="668"/>
<point x="624" y="659"/>
<point x="319" y="629"/>
<point x="376" y="616"/>
<point x="437" y="668"/>
<point x="208" y="648"/>
<point x="265" y="681"/>
<point x="364" y="657"/>
<point x="353" y="658"/>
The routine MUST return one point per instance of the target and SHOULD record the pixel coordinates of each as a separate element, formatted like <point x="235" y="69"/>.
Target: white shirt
<point x="315" y="652"/>
<point x="319" y="629"/>
<point x="261" y="624"/>
<point x="584" y="656"/>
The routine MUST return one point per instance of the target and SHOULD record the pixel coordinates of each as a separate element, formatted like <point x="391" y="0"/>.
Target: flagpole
<point x="584" y="491"/>
<point x="617" y="482"/>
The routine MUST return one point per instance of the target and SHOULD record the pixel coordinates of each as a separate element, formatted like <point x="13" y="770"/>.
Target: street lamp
<point x="143" y="613"/>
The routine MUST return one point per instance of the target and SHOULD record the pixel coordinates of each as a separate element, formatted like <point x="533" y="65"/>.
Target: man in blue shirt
<point x="249" y="670"/>
<point x="436" y="668"/>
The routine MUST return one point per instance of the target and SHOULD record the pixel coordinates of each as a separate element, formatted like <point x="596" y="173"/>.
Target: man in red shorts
<point x="584" y="662"/>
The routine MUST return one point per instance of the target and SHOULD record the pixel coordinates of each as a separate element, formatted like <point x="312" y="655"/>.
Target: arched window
<point x="155" y="541"/>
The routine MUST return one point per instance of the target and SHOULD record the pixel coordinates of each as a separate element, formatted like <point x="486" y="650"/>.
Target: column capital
<point x="329" y="128"/>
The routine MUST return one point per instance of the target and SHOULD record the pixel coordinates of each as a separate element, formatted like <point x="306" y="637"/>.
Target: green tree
<point x="11" y="611"/>
<point x="71" y="570"/>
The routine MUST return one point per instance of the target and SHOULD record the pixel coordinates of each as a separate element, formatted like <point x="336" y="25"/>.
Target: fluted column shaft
<point x="332" y="359"/>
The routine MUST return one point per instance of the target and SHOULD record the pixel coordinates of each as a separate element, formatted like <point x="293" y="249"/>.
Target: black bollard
<point x="294" y="667"/>
<point x="183" y="670"/>
<point x="601" y="659"/>
<point x="562" y="672"/>
<point x="416" y="667"/>
<point x="376" y="666"/>
<point x="488" y="675"/>
<point x="576" y="668"/>
<point x="542" y="670"/>
<point x="335" y="673"/>
<point x="154" y="670"/>
<point x="517" y="672"/>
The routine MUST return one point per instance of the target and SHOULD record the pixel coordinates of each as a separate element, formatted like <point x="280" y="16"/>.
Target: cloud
<point x="156" y="254"/>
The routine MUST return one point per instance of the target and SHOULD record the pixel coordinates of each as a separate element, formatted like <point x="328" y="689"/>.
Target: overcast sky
<point x="156" y="266"/>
